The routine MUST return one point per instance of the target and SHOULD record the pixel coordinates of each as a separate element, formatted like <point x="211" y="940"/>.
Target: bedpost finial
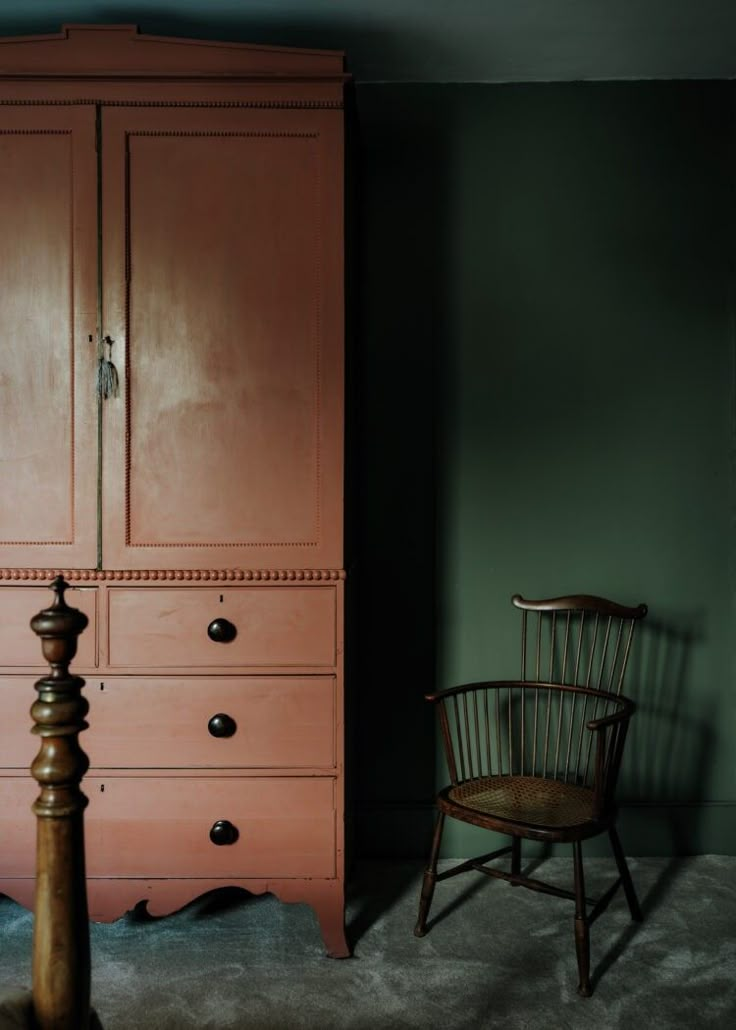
<point x="59" y="585"/>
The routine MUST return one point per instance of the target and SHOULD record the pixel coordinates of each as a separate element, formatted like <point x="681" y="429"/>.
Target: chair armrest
<point x="465" y="688"/>
<point x="625" y="712"/>
<point x="610" y="734"/>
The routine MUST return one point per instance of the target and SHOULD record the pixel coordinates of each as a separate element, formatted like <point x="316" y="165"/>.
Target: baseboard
<point x="404" y="830"/>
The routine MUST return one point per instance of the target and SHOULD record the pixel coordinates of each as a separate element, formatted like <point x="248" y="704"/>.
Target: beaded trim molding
<point x="176" y="575"/>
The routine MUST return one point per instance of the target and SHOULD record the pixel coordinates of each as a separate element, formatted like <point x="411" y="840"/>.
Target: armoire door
<point x="222" y="257"/>
<point x="48" y="337"/>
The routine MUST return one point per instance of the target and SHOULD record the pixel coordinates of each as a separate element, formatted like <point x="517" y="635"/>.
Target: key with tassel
<point x="108" y="382"/>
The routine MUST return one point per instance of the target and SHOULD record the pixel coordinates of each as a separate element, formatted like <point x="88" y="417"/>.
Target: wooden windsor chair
<point x="538" y="758"/>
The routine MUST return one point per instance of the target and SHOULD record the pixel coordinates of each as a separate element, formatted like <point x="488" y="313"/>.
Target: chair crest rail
<point x="579" y="603"/>
<point x="579" y="639"/>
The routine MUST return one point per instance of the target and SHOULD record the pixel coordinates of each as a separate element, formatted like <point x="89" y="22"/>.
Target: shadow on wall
<point x="369" y="44"/>
<point x="398" y="315"/>
<point x="670" y="744"/>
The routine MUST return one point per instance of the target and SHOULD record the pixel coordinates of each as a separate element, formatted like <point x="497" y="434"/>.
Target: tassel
<point x="108" y="382"/>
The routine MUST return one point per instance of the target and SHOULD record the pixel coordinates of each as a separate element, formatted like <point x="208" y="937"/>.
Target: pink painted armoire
<point x="171" y="413"/>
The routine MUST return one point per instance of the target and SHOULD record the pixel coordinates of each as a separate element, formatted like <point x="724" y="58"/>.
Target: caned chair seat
<point x="528" y="800"/>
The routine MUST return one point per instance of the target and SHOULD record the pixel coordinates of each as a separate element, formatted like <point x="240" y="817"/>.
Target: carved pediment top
<point x="83" y="51"/>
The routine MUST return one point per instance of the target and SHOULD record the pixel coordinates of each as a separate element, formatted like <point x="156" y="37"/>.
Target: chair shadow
<point x="668" y="750"/>
<point x="478" y="883"/>
<point x="670" y="741"/>
<point x="654" y="898"/>
<point x="368" y="901"/>
<point x="371" y="904"/>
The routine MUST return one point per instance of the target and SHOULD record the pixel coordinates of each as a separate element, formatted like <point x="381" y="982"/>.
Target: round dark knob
<point x="223" y="832"/>
<point x="221" y="631"/>
<point x="222" y="725"/>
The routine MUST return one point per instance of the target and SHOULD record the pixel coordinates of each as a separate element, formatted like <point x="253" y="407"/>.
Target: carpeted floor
<point x="494" y="957"/>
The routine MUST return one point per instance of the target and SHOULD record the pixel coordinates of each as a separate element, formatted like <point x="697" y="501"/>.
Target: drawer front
<point x="178" y="627"/>
<point x="19" y="745"/>
<point x="265" y="722"/>
<point x="236" y="722"/>
<point x="161" y="827"/>
<point x="17" y="826"/>
<point x="19" y="645"/>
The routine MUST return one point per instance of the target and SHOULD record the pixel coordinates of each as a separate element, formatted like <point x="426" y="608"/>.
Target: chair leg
<point x="430" y="878"/>
<point x="515" y="858"/>
<point x="623" y="871"/>
<point x="582" y="936"/>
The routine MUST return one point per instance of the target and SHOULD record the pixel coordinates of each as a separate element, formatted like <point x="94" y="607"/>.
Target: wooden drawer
<point x="167" y="627"/>
<point x="274" y="721"/>
<point x="161" y="827"/>
<point x="19" y="645"/>
<point x="17" y="826"/>
<point x="19" y="745"/>
<point x="279" y="722"/>
<point x="150" y="828"/>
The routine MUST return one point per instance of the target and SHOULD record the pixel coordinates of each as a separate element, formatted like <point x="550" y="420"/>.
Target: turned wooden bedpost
<point x="61" y="957"/>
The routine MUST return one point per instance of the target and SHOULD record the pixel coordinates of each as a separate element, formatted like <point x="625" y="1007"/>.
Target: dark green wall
<point x="543" y="375"/>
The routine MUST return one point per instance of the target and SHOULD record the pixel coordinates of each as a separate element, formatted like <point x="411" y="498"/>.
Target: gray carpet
<point x="495" y="956"/>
